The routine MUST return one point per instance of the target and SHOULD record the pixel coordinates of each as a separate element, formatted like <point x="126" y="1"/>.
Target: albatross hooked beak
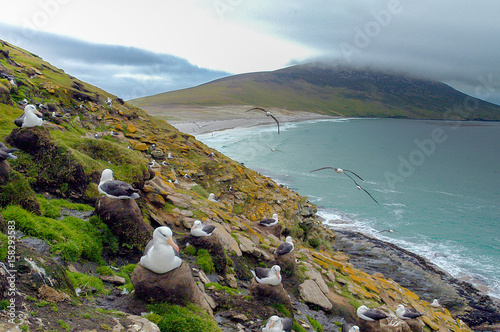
<point x="172" y="243"/>
<point x="272" y="324"/>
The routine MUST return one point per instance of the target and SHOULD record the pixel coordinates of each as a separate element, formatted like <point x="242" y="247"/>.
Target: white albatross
<point x="115" y="188"/>
<point x="199" y="229"/>
<point x="277" y="324"/>
<point x="270" y="222"/>
<point x="435" y="303"/>
<point x="30" y="118"/>
<point x="268" y="276"/>
<point x="370" y="315"/>
<point x="160" y="255"/>
<point x="286" y="247"/>
<point x="407" y="313"/>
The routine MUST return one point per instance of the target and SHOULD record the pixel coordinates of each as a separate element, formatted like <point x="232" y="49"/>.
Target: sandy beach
<point x="200" y="120"/>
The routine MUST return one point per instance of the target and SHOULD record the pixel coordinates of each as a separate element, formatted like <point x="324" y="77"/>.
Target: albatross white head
<point x="163" y="236"/>
<point x="273" y="325"/>
<point x="106" y="175"/>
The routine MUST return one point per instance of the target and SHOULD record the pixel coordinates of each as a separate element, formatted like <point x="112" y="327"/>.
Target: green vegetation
<point x="4" y="246"/>
<point x="64" y="325"/>
<point x="70" y="238"/>
<point x="229" y="290"/>
<point x="104" y="271"/>
<point x="297" y="327"/>
<point x="205" y="262"/>
<point x="190" y="250"/>
<point x="80" y="280"/>
<point x="174" y="318"/>
<point x="315" y="324"/>
<point x="4" y="304"/>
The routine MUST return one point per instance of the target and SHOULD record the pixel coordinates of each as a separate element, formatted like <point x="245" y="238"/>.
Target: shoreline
<point x="209" y="126"/>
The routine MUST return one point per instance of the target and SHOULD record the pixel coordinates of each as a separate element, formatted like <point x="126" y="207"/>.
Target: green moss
<point x="104" y="271"/>
<point x="52" y="208"/>
<point x="226" y="289"/>
<point x="205" y="262"/>
<point x="282" y="309"/>
<point x="297" y="327"/>
<point x="82" y="280"/>
<point x="202" y="192"/>
<point x="71" y="237"/>
<point x="315" y="324"/>
<point x="190" y="250"/>
<point x="18" y="192"/>
<point x="175" y="318"/>
<point x="314" y="242"/>
<point x="4" y="246"/>
<point x="64" y="325"/>
<point x="4" y="304"/>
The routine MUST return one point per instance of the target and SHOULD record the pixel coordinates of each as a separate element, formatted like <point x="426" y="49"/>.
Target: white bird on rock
<point x="407" y="313"/>
<point x="115" y="188"/>
<point x="160" y="255"/>
<point x="277" y="324"/>
<point x="30" y="118"/>
<point x="370" y="315"/>
<point x="268" y="276"/>
<point x="270" y="222"/>
<point x="199" y="229"/>
<point x="286" y="247"/>
<point x="435" y="303"/>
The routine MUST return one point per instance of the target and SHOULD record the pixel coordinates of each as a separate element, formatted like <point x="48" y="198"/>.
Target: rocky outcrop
<point x="176" y="286"/>
<point x="124" y="219"/>
<point x="53" y="167"/>
<point x="270" y="295"/>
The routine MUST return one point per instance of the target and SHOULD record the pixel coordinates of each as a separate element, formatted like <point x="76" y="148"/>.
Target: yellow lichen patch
<point x="411" y="295"/>
<point x="141" y="147"/>
<point x="372" y="287"/>
<point x="430" y="323"/>
<point x="112" y="118"/>
<point x="119" y="127"/>
<point x="131" y="128"/>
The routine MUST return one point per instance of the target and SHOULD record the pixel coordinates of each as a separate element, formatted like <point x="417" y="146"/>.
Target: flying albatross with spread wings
<point x="343" y="171"/>
<point x="267" y="114"/>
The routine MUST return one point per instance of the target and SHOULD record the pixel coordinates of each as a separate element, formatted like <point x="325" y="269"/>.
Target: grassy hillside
<point x="334" y="91"/>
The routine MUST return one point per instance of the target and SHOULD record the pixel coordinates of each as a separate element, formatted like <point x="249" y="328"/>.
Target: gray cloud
<point x="127" y="72"/>
<point x="455" y="42"/>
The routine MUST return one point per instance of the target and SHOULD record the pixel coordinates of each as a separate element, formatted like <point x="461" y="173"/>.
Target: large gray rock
<point x="176" y="286"/>
<point x="311" y="293"/>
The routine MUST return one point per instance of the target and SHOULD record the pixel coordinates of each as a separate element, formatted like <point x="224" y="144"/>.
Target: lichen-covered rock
<point x="176" y="286"/>
<point x="124" y="219"/>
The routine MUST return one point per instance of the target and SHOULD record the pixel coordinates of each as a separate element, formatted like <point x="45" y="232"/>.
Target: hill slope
<point x="335" y="91"/>
<point x="50" y="194"/>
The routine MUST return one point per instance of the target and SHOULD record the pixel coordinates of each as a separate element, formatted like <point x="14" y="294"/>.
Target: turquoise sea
<point x="437" y="182"/>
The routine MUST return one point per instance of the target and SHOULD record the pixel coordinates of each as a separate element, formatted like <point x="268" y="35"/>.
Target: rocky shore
<point x="411" y="271"/>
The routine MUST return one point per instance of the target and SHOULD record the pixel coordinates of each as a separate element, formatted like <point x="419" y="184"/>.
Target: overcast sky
<point x="137" y="48"/>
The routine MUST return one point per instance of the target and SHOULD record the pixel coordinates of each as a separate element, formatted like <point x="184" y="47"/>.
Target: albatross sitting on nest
<point x="277" y="324"/>
<point x="267" y="276"/>
<point x="199" y="229"/>
<point x="115" y="188"/>
<point x="286" y="247"/>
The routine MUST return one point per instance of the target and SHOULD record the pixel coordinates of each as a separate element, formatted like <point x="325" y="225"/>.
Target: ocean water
<point x="437" y="182"/>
